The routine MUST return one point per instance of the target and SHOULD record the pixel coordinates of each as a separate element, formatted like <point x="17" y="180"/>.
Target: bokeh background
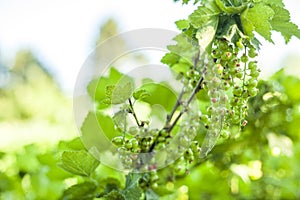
<point x="43" y="45"/>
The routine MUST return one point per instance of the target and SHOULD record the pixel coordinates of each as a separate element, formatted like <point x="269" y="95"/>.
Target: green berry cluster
<point x="231" y="79"/>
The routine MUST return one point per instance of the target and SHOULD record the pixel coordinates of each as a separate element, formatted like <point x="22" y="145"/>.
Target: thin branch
<point x="176" y="106"/>
<point x="133" y="113"/>
<point x="179" y="99"/>
<point x="184" y="109"/>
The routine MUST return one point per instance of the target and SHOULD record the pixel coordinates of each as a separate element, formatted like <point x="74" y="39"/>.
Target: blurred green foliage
<point x="261" y="163"/>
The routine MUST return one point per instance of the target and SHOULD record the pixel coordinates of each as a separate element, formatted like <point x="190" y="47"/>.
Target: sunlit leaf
<point x="78" y="162"/>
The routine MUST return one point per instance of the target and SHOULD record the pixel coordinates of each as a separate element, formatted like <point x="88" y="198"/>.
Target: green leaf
<point x="75" y="144"/>
<point x="206" y="34"/>
<point x="98" y="130"/>
<point x="258" y="19"/>
<point x="82" y="191"/>
<point x="182" y="24"/>
<point x="106" y="101"/>
<point x="140" y="94"/>
<point x="119" y="119"/>
<point x="96" y="88"/>
<point x="170" y="59"/>
<point x="229" y="8"/>
<point x="181" y="67"/>
<point x="110" y="184"/>
<point x="272" y="3"/>
<point x="121" y="92"/>
<point x="186" y="48"/>
<point x="132" y="190"/>
<point x="78" y="162"/>
<point x="161" y="94"/>
<point x="109" y="90"/>
<point x="204" y="13"/>
<point x="281" y="23"/>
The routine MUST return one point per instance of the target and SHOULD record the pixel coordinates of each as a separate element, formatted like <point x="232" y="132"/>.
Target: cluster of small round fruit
<point x="231" y="80"/>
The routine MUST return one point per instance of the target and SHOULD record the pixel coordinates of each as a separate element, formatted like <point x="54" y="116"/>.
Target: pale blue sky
<point x="62" y="32"/>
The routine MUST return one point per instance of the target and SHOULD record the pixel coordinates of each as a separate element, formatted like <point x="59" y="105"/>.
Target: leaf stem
<point x="133" y="113"/>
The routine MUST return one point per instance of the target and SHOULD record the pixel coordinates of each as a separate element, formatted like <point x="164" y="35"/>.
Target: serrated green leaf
<point x="132" y="189"/>
<point x="160" y="95"/>
<point x="231" y="8"/>
<point x="186" y="48"/>
<point x="106" y="101"/>
<point x="109" y="90"/>
<point x="110" y="184"/>
<point x="278" y="3"/>
<point x="204" y="14"/>
<point x="121" y="92"/>
<point x="258" y="19"/>
<point x="119" y="119"/>
<point x="75" y="144"/>
<point x="206" y="34"/>
<point x="96" y="88"/>
<point x="181" y="67"/>
<point x="82" y="191"/>
<point x="170" y="59"/>
<point x="78" y="162"/>
<point x="141" y="94"/>
<point x="281" y="23"/>
<point x="97" y="131"/>
<point x="182" y="24"/>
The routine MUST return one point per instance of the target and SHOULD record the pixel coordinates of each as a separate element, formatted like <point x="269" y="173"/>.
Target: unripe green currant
<point x="134" y="142"/>
<point x="237" y="91"/>
<point x="251" y="83"/>
<point x="128" y="161"/>
<point x="253" y="91"/>
<point x="118" y="141"/>
<point x="154" y="185"/>
<point x="161" y="139"/>
<point x="254" y="73"/>
<point x="239" y="74"/>
<point x="226" y="56"/>
<point x="244" y="58"/>
<point x="252" y="53"/>
<point x="128" y="145"/>
<point x="252" y="65"/>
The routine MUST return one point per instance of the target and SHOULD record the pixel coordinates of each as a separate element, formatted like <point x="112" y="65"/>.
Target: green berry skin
<point x="252" y="83"/>
<point x="253" y="92"/>
<point x="252" y="65"/>
<point x="134" y="142"/>
<point x="118" y="141"/>
<point x="244" y="58"/>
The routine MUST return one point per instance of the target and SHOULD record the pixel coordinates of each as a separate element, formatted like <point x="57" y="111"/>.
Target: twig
<point x="184" y="109"/>
<point x="133" y="113"/>
<point x="176" y="106"/>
